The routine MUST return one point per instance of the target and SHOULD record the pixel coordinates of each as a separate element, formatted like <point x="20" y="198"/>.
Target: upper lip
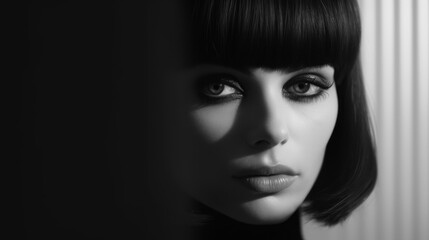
<point x="264" y="171"/>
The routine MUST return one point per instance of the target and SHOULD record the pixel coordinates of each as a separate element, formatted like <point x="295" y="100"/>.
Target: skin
<point x="263" y="125"/>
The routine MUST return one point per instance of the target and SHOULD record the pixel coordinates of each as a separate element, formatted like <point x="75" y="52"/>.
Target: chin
<point x="265" y="211"/>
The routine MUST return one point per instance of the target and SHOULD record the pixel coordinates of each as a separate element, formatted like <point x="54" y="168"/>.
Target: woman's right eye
<point x="220" y="88"/>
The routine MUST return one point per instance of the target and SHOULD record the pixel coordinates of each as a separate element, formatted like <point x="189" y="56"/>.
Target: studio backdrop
<point x="395" y="59"/>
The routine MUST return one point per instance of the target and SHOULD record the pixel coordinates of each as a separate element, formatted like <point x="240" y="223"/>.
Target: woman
<point x="273" y="108"/>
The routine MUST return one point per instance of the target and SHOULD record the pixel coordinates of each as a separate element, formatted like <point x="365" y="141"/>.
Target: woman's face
<point x="250" y="142"/>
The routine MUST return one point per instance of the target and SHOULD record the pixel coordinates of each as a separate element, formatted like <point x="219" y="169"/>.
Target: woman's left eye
<point x="306" y="87"/>
<point x="303" y="88"/>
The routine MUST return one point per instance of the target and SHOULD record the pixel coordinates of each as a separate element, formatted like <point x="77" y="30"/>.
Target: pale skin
<point x="233" y="119"/>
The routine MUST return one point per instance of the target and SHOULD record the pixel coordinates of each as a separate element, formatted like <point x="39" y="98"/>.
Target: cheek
<point x="202" y="155"/>
<point x="210" y="124"/>
<point x="311" y="130"/>
<point x="319" y="121"/>
<point x="315" y="125"/>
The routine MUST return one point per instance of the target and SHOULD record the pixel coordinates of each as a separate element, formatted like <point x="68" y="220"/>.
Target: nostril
<point x="283" y="142"/>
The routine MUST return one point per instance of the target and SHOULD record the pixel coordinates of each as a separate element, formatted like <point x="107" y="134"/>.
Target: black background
<point x="91" y="119"/>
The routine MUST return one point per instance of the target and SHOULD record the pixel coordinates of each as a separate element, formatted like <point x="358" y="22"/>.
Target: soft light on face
<point x="254" y="140"/>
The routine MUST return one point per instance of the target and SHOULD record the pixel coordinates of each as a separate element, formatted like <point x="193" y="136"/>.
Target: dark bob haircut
<point x="285" y="34"/>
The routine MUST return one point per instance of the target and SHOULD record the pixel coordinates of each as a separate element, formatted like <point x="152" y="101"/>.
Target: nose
<point x="268" y="123"/>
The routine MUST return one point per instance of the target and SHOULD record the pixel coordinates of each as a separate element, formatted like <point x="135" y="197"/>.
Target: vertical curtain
<point x="395" y="59"/>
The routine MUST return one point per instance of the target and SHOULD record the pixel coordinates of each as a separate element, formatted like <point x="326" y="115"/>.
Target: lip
<point x="267" y="180"/>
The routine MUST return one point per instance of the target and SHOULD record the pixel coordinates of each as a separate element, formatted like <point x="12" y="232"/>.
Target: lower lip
<point x="268" y="184"/>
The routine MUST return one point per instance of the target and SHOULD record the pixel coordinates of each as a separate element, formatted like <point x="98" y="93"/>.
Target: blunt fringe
<point x="285" y="34"/>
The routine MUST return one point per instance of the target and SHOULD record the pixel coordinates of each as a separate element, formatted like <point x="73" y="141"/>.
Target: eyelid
<point x="225" y="78"/>
<point x="234" y="84"/>
<point x="321" y="81"/>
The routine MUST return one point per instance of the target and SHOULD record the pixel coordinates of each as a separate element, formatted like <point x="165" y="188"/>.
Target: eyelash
<point x="225" y="80"/>
<point x="230" y="81"/>
<point x="309" y="78"/>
